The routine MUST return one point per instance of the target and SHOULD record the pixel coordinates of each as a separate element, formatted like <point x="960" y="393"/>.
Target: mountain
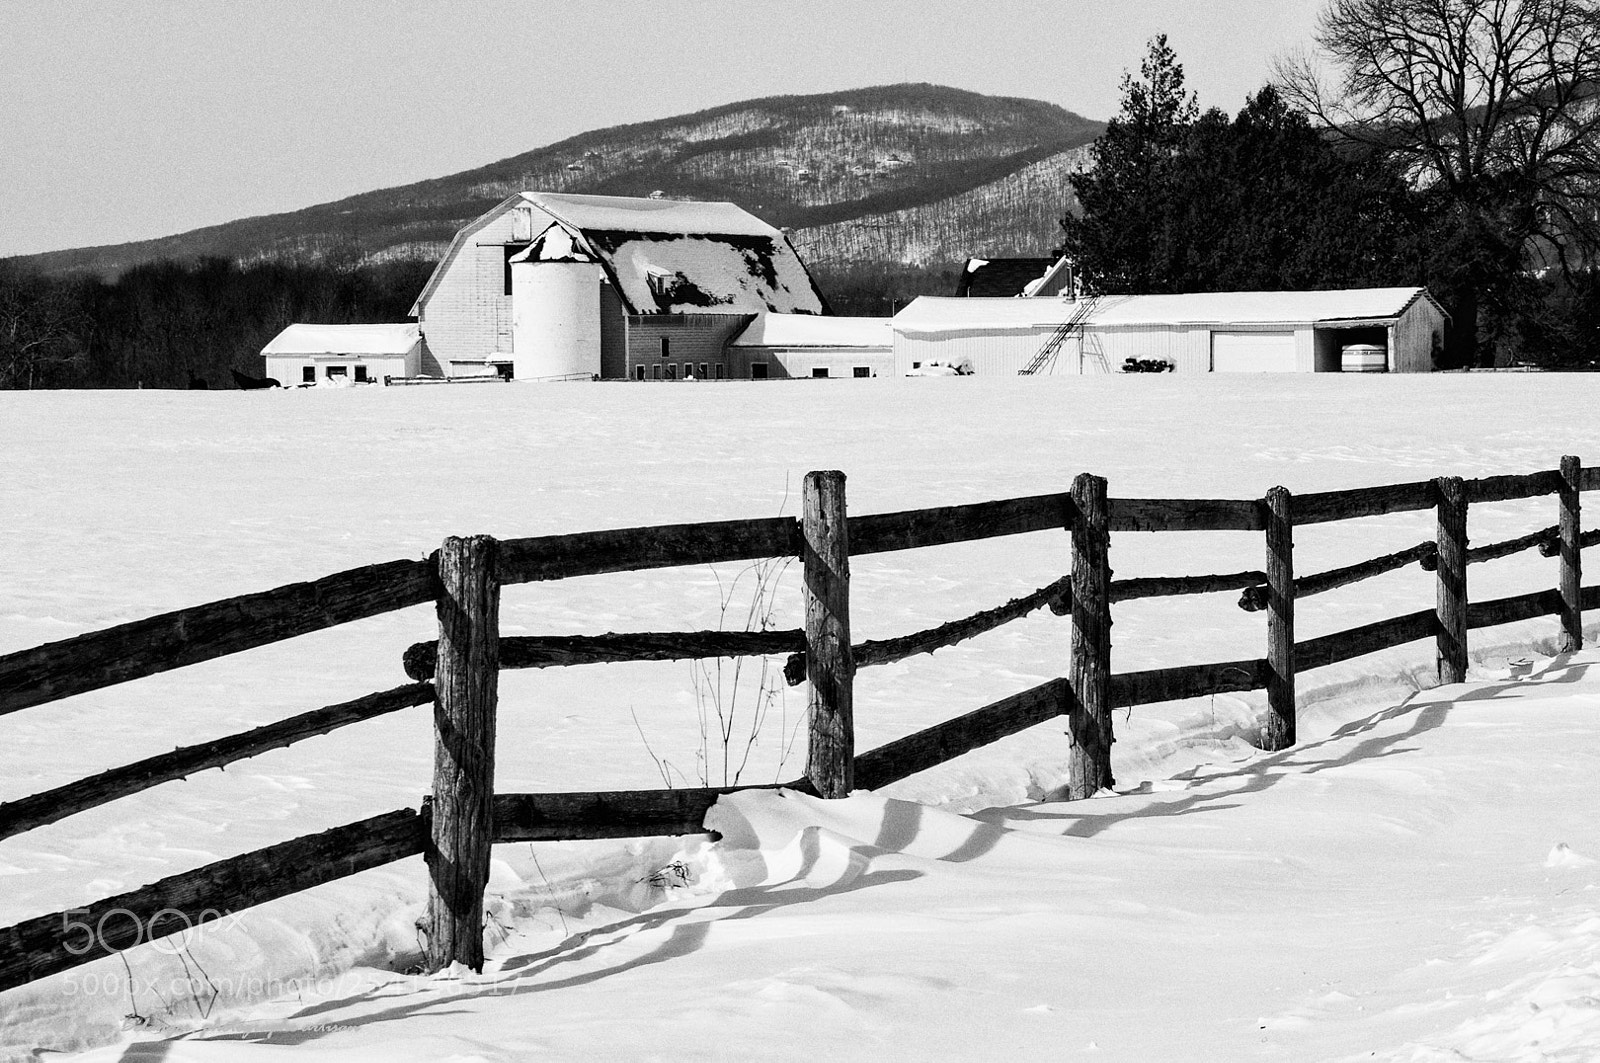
<point x="916" y="174"/>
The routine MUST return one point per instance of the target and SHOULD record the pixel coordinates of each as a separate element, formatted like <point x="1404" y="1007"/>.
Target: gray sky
<point x="139" y="118"/>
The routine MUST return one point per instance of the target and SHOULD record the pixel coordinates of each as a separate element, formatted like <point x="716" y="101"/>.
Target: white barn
<point x="779" y="346"/>
<point x="343" y="354"/>
<point x="1196" y="333"/>
<point x="554" y="286"/>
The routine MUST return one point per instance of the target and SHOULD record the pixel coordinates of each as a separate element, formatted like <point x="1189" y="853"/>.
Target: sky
<point x="140" y="118"/>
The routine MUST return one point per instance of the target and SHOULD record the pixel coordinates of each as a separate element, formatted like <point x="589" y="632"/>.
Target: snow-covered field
<point x="1414" y="880"/>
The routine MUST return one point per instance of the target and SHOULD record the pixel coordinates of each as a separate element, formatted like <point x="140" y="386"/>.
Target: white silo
<point x="555" y="309"/>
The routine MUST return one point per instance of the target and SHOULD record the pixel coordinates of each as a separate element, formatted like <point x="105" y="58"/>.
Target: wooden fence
<point x="458" y="674"/>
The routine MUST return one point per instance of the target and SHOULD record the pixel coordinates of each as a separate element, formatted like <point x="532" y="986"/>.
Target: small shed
<point x="807" y="345"/>
<point x="343" y="354"/>
<point x="1196" y="333"/>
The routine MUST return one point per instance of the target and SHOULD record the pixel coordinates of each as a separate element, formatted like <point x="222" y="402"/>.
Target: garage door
<point x="1252" y="352"/>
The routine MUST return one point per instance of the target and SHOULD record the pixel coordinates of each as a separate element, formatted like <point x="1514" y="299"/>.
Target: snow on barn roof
<point x="669" y="256"/>
<point x="810" y="330"/>
<point x="939" y="314"/>
<point x="344" y="339"/>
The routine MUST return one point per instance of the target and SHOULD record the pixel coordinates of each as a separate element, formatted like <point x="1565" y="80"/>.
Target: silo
<point x="555" y="317"/>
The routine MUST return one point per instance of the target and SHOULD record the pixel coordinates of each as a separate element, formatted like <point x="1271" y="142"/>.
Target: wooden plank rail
<point x="1254" y="598"/>
<point x="1590" y="481"/>
<point x="1511" y="487"/>
<point x="42" y="946"/>
<point x="944" y="741"/>
<point x="205" y="632"/>
<point x="611" y="814"/>
<point x="1517" y="607"/>
<point x="1320" y="507"/>
<point x="1186" y="681"/>
<point x="1123" y="590"/>
<point x="876" y="533"/>
<point x="1368" y="638"/>
<point x="1479" y="554"/>
<point x="1185" y="514"/>
<point x="549" y="651"/>
<point x="1058" y="596"/>
<point x="549" y="557"/>
<point x="56" y="804"/>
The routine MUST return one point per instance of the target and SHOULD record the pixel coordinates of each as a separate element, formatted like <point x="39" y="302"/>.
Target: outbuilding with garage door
<point x="1350" y="330"/>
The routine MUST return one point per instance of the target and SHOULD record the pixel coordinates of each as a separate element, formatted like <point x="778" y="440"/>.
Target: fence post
<point x="830" y="665"/>
<point x="467" y="681"/>
<point x="1451" y="599"/>
<point x="1571" y="555"/>
<point x="1090" y="722"/>
<point x="1279" y="732"/>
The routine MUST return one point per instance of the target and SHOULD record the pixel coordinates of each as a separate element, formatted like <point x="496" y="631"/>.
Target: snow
<point x="344" y="339"/>
<point x="812" y="330"/>
<point x="1416" y="880"/>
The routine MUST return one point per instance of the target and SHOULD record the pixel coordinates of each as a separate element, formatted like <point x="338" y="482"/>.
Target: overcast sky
<point x="127" y="119"/>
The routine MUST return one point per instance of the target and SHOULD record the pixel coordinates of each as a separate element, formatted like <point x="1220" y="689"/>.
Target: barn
<point x="1393" y="329"/>
<point x="780" y="346"/>
<point x="551" y="286"/>
<point x="343" y="354"/>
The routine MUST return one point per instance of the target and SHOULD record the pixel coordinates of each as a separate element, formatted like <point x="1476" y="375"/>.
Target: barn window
<point x="819" y="371"/>
<point x="758" y="370"/>
<point x="512" y="251"/>
<point x="361" y="373"/>
<point x="688" y="370"/>
<point x="861" y="370"/>
<point x="655" y="371"/>
<point x="337" y="370"/>
<point x="719" y="371"/>
<point x="666" y="346"/>
<point x="705" y="370"/>
<point x="638" y="372"/>
<point x="672" y="371"/>
<point x="308" y="374"/>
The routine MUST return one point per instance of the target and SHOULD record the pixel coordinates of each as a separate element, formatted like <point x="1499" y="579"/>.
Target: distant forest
<point x="164" y="324"/>
<point x="159" y="325"/>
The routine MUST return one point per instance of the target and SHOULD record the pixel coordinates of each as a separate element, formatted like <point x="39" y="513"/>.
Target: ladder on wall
<point x="1045" y="360"/>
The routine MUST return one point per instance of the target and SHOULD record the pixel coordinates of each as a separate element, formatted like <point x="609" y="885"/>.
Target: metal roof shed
<point x="1201" y="332"/>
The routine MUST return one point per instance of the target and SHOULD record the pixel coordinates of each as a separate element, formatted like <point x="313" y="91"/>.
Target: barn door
<point x="1252" y="352"/>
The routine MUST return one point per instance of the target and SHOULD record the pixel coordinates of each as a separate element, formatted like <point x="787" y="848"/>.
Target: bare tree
<point x="41" y="330"/>
<point x="1490" y="109"/>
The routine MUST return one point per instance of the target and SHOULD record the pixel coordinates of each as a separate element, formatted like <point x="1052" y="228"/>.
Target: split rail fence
<point x="459" y="673"/>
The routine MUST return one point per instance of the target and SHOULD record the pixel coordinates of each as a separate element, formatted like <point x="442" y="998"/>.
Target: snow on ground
<point x="1414" y="881"/>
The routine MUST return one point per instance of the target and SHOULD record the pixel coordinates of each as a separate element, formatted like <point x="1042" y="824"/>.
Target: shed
<point x="343" y="354"/>
<point x="1196" y="333"/>
<point x="805" y="345"/>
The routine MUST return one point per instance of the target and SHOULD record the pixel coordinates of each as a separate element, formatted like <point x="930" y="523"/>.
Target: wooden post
<point x="1452" y="579"/>
<point x="1571" y="556"/>
<point x="830" y="664"/>
<point x="467" y="680"/>
<point x="1089" y="770"/>
<point x="1278" y="733"/>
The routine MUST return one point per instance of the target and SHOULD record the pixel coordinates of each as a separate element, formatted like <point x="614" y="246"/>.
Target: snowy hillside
<point x="1415" y="880"/>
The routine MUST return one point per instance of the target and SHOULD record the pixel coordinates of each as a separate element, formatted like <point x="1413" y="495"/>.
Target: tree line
<point x="165" y="324"/>
<point x="1456" y="145"/>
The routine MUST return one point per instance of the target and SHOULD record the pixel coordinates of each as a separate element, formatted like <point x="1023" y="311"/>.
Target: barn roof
<point x="810" y="330"/>
<point x="999" y="277"/>
<point x="669" y="256"/>
<point x="344" y="339"/>
<point x="936" y="314"/>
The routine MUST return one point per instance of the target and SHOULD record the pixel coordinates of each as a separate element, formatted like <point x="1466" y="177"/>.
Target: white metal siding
<point x="990" y="353"/>
<point x="1253" y="352"/>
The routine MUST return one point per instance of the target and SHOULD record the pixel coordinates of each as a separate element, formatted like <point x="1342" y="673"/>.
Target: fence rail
<point x="463" y="817"/>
